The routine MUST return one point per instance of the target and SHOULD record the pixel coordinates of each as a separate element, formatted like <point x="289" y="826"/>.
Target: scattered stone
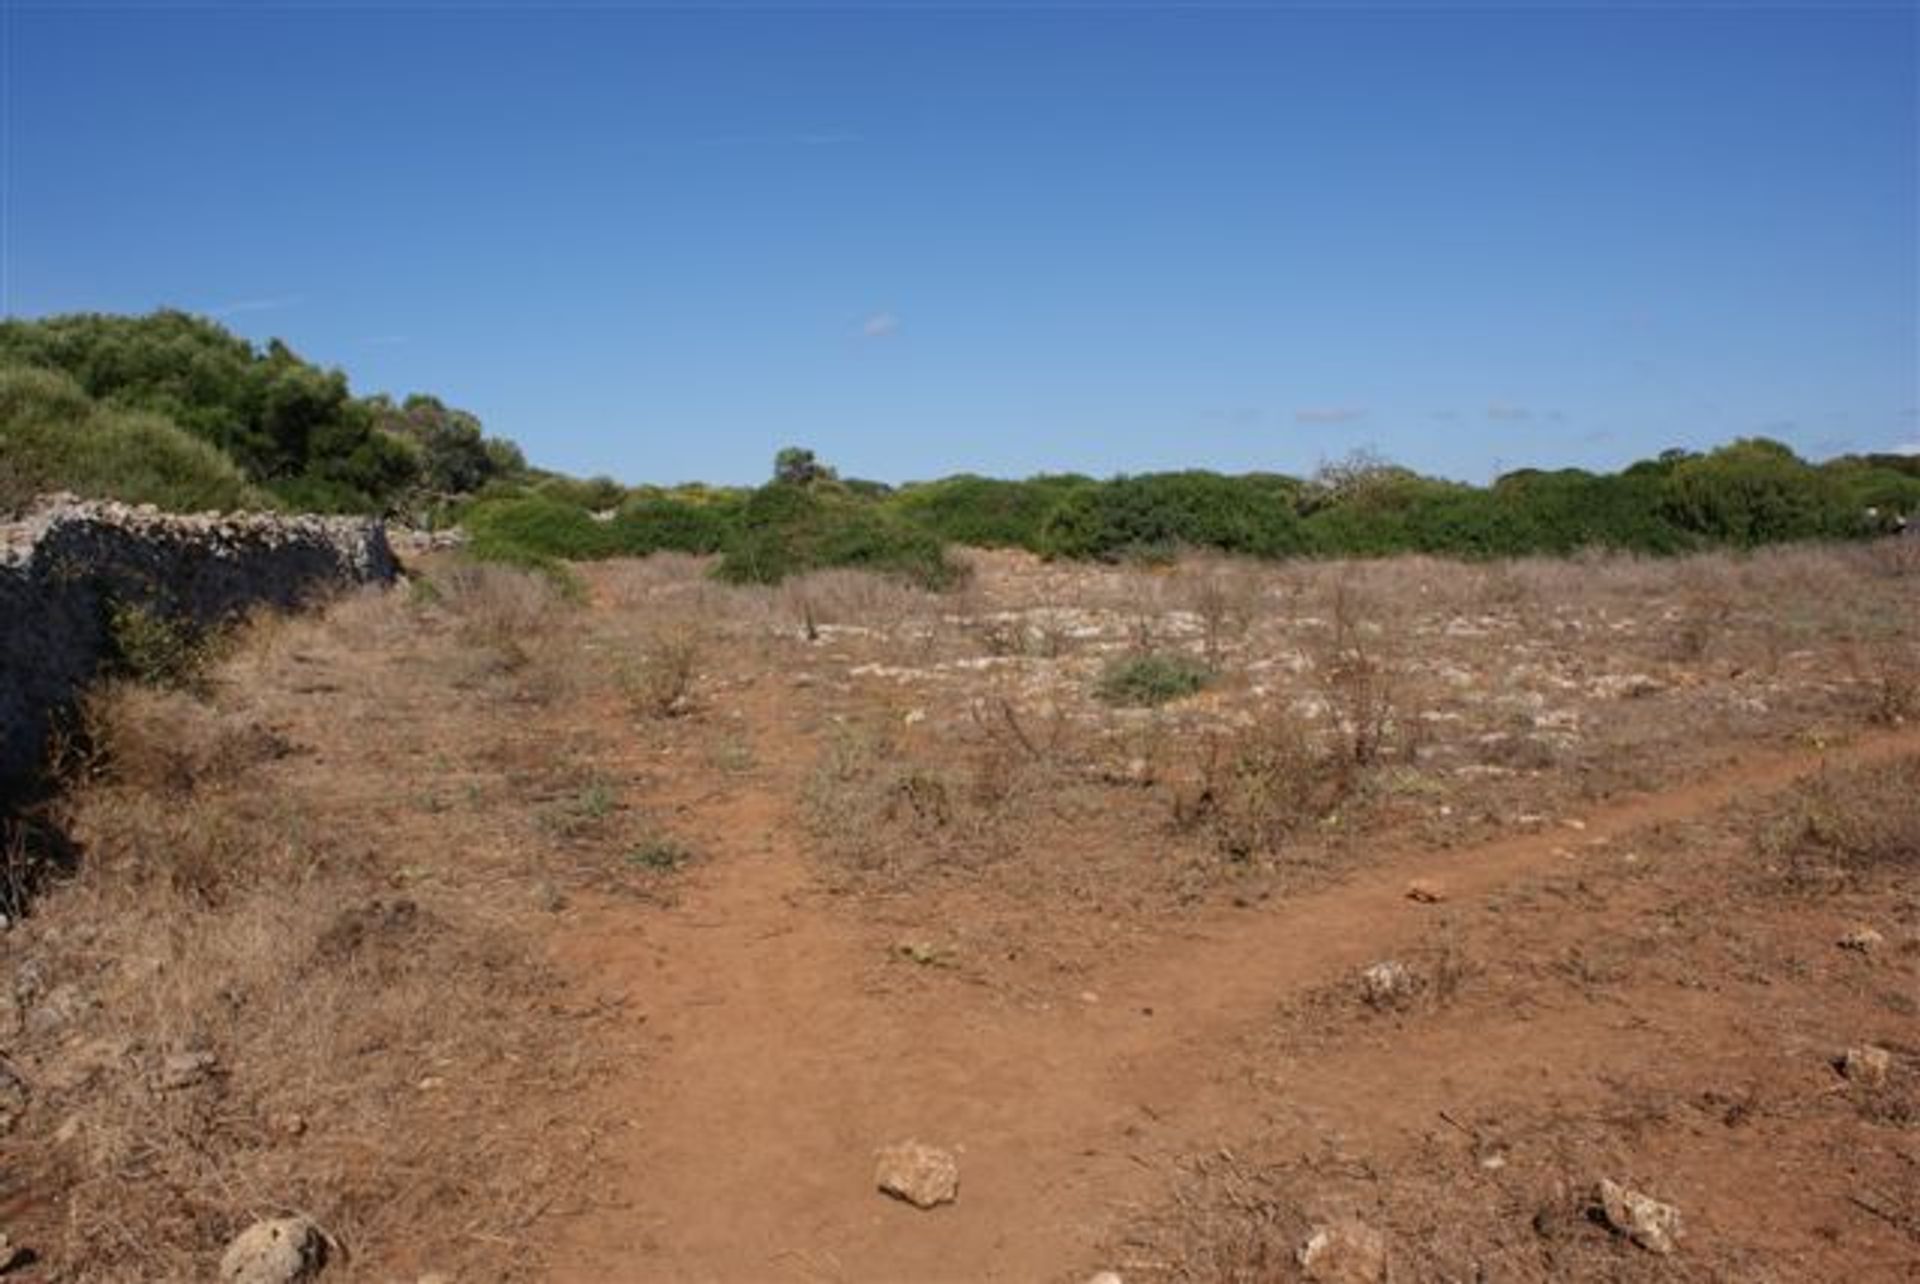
<point x="1626" y="686"/>
<point x="1867" y="1065"/>
<point x="1646" y="1221"/>
<point x="1386" y="984"/>
<point x="1426" y="891"/>
<point x="288" y="1124"/>
<point x="924" y="1176"/>
<point x="1106" y="1277"/>
<point x="11" y="1256"/>
<point x="1862" y="940"/>
<point x="280" y="1250"/>
<point x="434" y="1277"/>
<point x="180" y="1070"/>
<point x="1347" y="1252"/>
<point x="14" y="1098"/>
<point x="925" y="953"/>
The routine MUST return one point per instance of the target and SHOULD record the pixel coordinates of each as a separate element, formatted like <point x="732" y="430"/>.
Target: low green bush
<point x="656" y="523"/>
<point x="534" y="530"/>
<point x="55" y="437"/>
<point x="1156" y="514"/>
<point x="149" y="645"/>
<point x="787" y="528"/>
<point x="593" y="494"/>
<point x="1152" y="679"/>
<point x="985" y="512"/>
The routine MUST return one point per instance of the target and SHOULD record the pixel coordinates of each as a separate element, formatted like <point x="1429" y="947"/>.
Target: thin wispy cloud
<point x="1329" y="414"/>
<point x="1506" y="412"/>
<point x="1908" y="448"/>
<point x="879" y="325"/>
<point x="237" y="306"/>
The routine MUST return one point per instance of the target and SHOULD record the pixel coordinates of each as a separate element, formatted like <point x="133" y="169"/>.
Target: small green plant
<point x="1142" y="681"/>
<point x="733" y="754"/>
<point x="155" y="648"/>
<point x="660" y="854"/>
<point x="581" y="812"/>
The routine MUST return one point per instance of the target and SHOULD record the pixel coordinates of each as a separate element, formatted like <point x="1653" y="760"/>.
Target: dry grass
<point x="328" y="869"/>
<point x="1845" y="828"/>
<point x="660" y="679"/>
<point x="275" y="985"/>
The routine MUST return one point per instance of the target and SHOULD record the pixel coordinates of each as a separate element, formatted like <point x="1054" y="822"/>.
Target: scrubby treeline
<point x="175" y="410"/>
<point x="1743" y="495"/>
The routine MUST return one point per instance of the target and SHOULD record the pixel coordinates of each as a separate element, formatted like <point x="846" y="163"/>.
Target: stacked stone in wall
<point x="69" y="562"/>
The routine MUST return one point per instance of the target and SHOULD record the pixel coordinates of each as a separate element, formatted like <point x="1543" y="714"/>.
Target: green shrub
<point x="654" y="523"/>
<point x="1160" y="512"/>
<point x="1152" y="679"/>
<point x="593" y="494"/>
<point x="149" y="645"/>
<point x="54" y="437"/>
<point x="984" y="512"/>
<point x="536" y="530"/>
<point x="788" y="528"/>
<point x="1889" y="485"/>
<point x="1755" y="492"/>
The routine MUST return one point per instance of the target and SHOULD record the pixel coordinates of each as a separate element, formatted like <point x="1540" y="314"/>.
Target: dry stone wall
<point x="68" y="563"/>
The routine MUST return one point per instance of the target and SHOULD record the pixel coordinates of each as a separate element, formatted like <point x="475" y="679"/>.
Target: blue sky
<point x="661" y="242"/>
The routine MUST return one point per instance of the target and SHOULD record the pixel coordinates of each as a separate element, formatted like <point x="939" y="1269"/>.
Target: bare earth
<point x="730" y="889"/>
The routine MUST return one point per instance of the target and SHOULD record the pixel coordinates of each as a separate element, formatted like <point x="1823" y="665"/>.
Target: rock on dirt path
<point x="778" y="1070"/>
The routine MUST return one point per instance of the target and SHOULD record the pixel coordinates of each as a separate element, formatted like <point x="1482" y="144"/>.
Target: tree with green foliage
<point x="291" y="427"/>
<point x="53" y="436"/>
<point x="798" y="467"/>
<point x="1755" y="491"/>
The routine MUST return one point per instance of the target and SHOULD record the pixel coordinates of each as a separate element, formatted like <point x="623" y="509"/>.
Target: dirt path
<point x="779" y="1066"/>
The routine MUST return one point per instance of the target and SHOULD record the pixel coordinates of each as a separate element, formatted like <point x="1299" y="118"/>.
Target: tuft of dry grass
<point x="659" y="681"/>
<point x="1844" y="828"/>
<point x="1255" y="788"/>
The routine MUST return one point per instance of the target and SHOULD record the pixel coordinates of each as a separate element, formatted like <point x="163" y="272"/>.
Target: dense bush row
<point x="175" y="410"/>
<point x="293" y="431"/>
<point x="1749" y="493"/>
